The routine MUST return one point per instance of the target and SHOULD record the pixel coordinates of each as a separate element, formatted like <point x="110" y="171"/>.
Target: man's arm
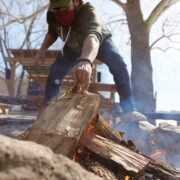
<point x="84" y="68"/>
<point x="90" y="48"/>
<point x="47" y="42"/>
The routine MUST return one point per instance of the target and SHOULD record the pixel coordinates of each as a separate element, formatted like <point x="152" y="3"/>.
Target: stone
<point x="28" y="160"/>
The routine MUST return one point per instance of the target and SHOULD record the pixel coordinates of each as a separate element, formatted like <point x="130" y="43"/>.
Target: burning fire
<point x="80" y="148"/>
<point x="126" y="178"/>
<point x="90" y="127"/>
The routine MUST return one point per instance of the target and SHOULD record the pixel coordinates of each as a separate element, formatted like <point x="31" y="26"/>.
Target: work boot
<point x="133" y="116"/>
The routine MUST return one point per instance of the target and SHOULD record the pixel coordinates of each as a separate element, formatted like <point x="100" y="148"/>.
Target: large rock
<point x="28" y="160"/>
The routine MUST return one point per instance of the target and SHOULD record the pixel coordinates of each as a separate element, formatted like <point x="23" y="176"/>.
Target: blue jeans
<point x="107" y="54"/>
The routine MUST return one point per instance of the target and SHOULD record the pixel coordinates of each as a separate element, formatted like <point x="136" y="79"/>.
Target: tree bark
<point x="20" y="83"/>
<point x="141" y="75"/>
<point x="11" y="82"/>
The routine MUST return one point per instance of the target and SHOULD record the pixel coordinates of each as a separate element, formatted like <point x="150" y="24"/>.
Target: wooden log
<point x="163" y="171"/>
<point x="60" y="125"/>
<point x="101" y="127"/>
<point x="98" y="169"/>
<point x="130" y="160"/>
<point x="137" y="164"/>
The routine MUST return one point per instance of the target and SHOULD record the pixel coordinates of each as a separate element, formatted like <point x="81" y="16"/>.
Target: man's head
<point x="57" y="4"/>
<point x="64" y="10"/>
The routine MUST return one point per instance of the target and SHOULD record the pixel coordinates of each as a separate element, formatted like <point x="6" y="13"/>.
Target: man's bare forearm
<point x="47" y="42"/>
<point x="90" y="48"/>
<point x="40" y="55"/>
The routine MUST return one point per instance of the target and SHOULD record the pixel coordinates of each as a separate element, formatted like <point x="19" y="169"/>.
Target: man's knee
<point x="117" y="63"/>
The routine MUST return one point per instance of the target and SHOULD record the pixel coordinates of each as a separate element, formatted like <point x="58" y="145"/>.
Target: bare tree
<point x="170" y="33"/>
<point x="139" y="28"/>
<point x="19" y="20"/>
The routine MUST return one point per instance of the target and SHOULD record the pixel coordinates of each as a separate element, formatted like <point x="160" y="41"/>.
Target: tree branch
<point x="24" y="18"/>
<point x="159" y="10"/>
<point x="165" y="36"/>
<point x="120" y="3"/>
<point x="166" y="49"/>
<point x="2" y="48"/>
<point x="28" y="33"/>
<point x="123" y="20"/>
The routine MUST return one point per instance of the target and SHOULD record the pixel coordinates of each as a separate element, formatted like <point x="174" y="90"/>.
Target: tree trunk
<point x="18" y="94"/>
<point x="11" y="82"/>
<point x="141" y="75"/>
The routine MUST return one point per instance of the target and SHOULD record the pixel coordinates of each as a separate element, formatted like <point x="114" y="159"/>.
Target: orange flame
<point x="90" y="126"/>
<point x="80" y="148"/>
<point x="126" y="178"/>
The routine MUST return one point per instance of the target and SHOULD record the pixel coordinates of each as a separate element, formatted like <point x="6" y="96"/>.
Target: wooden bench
<point x="39" y="75"/>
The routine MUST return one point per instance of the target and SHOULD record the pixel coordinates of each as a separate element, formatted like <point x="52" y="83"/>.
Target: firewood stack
<point x="70" y="125"/>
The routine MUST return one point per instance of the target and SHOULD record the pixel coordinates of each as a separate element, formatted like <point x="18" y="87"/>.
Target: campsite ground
<point x="15" y="123"/>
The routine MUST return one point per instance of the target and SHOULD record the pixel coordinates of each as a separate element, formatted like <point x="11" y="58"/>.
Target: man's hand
<point x="82" y="75"/>
<point x="47" y="42"/>
<point x="39" y="57"/>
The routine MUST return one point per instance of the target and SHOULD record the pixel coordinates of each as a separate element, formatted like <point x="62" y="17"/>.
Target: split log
<point x="103" y="128"/>
<point x="94" y="165"/>
<point x="60" y="125"/>
<point x="130" y="160"/>
<point x="27" y="160"/>
<point x="138" y="165"/>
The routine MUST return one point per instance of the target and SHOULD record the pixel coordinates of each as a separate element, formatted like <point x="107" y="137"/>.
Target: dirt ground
<point x="15" y="123"/>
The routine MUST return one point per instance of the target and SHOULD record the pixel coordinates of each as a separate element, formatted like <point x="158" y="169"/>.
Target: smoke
<point x="161" y="142"/>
